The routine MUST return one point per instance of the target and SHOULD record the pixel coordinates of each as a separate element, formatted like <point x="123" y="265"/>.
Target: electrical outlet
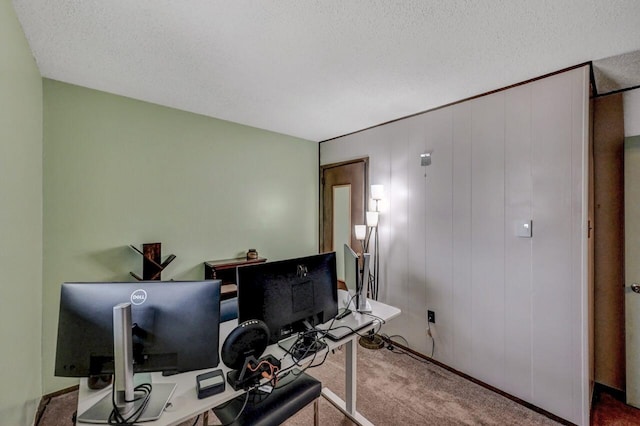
<point x="431" y="317"/>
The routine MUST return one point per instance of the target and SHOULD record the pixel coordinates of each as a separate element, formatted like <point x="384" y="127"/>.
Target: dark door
<point x="343" y="189"/>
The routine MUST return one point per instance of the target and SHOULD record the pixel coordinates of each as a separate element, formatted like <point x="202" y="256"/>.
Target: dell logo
<point x="138" y="297"/>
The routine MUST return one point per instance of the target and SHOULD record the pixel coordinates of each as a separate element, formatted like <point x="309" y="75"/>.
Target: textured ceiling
<point x="317" y="69"/>
<point x="617" y="72"/>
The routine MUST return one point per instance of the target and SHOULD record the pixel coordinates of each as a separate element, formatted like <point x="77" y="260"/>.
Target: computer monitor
<point x="290" y="295"/>
<point x="174" y="327"/>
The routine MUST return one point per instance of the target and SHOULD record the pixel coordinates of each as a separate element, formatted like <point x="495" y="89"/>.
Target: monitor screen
<point x="286" y="293"/>
<point x="175" y="326"/>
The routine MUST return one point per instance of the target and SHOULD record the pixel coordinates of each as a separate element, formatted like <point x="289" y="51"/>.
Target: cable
<point x="319" y="335"/>
<point x="433" y="340"/>
<point x="375" y="330"/>
<point x="352" y="296"/>
<point x="380" y="320"/>
<point x="402" y="352"/>
<point x="312" y="365"/>
<point x="116" y="418"/>
<point x="246" y="400"/>
<point x="273" y="370"/>
<point x="410" y="355"/>
<point x="300" y="350"/>
<point x="390" y="338"/>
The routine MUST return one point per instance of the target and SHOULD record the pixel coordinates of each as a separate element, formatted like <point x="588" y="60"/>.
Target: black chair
<point x="293" y="392"/>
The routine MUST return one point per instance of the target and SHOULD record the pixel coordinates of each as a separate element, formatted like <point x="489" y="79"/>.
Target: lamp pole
<point x="372" y="341"/>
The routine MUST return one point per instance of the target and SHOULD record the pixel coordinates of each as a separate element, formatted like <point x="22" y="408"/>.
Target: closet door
<point x="343" y="188"/>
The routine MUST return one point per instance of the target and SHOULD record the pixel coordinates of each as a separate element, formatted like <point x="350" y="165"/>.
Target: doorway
<point x="632" y="268"/>
<point x="343" y="189"/>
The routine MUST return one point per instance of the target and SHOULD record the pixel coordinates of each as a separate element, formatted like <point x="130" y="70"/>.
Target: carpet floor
<point x="393" y="389"/>
<point x="398" y="389"/>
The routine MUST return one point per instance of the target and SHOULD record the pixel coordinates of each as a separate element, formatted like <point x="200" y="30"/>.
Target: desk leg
<point x="351" y="366"/>
<point x="335" y="400"/>
<point x="348" y="407"/>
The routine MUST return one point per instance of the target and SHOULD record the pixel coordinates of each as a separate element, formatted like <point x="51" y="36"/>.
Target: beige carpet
<point x="393" y="389"/>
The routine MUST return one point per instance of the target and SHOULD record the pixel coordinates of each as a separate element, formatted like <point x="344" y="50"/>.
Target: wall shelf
<point x="152" y="264"/>
<point x="225" y="270"/>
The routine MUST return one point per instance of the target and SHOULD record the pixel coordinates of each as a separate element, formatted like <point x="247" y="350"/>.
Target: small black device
<point x="248" y="339"/>
<point x="241" y="352"/>
<point x="211" y="383"/>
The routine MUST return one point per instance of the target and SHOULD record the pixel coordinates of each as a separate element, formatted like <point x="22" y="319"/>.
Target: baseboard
<point x="44" y="401"/>
<point x="483" y="384"/>
<point x="61" y="392"/>
<point x="618" y="394"/>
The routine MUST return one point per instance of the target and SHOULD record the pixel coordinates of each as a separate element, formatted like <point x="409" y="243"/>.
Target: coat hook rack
<point x="152" y="265"/>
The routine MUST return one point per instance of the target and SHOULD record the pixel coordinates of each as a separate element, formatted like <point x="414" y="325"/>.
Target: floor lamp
<point x="364" y="233"/>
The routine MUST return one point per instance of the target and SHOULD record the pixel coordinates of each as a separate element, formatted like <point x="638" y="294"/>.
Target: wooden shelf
<point x="225" y="270"/>
<point x="152" y="265"/>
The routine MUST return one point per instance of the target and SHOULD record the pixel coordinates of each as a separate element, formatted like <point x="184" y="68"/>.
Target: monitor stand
<point x="365" y="307"/>
<point x="347" y="300"/>
<point x="123" y="396"/>
<point x="160" y="394"/>
<point x="362" y="304"/>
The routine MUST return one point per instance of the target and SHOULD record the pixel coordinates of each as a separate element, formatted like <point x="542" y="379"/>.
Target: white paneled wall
<point x="518" y="266"/>
<point x="487" y="239"/>
<point x="510" y="311"/>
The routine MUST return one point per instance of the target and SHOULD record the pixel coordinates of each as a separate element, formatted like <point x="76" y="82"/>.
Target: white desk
<point x="184" y="404"/>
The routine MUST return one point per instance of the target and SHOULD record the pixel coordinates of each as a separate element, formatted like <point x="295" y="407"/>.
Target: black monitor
<point x="289" y="295"/>
<point x="174" y="327"/>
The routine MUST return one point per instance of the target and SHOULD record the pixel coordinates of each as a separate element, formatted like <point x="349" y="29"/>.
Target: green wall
<point x="119" y="171"/>
<point x="20" y="223"/>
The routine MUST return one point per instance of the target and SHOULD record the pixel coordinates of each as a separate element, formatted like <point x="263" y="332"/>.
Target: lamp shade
<point x="372" y="219"/>
<point x="360" y="231"/>
<point x="377" y="191"/>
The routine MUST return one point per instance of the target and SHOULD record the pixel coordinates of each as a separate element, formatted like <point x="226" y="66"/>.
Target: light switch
<point x="523" y="228"/>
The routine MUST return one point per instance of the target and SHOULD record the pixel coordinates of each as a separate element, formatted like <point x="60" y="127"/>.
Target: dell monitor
<point x="122" y="328"/>
<point x="290" y="296"/>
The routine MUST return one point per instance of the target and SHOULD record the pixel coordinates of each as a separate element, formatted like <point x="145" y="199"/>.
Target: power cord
<point x="433" y="340"/>
<point x="345" y="311"/>
<point x="396" y="350"/>
<point x="244" y="405"/>
<point x="299" y="352"/>
<point x="271" y="375"/>
<point x="116" y="418"/>
<point x="319" y="335"/>
<point x="391" y="342"/>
